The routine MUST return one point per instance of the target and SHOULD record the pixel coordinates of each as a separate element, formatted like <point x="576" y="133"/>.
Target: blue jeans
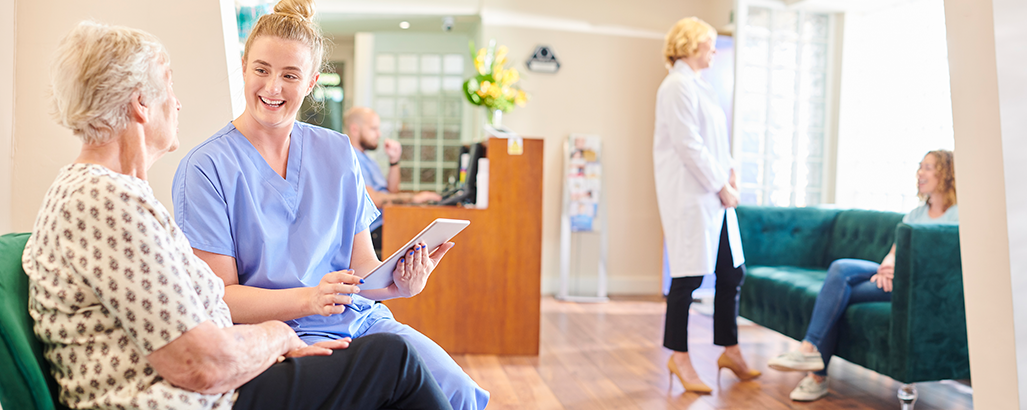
<point x="847" y="283"/>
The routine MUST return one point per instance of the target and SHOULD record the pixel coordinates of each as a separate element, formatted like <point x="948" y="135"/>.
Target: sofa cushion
<point x="860" y="234"/>
<point x="785" y="236"/>
<point x="781" y="298"/>
<point x="25" y="381"/>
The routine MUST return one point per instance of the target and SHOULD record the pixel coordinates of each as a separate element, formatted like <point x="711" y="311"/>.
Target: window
<point x="780" y="113"/>
<point x="418" y="97"/>
<point x="895" y="103"/>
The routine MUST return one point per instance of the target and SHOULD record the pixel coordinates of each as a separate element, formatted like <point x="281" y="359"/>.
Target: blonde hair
<point x="945" y="168"/>
<point x="684" y="38"/>
<point x="96" y="69"/>
<point x="292" y="20"/>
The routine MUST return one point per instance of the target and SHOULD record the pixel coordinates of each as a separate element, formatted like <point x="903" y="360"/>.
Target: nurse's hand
<point x="332" y="294"/>
<point x="411" y="274"/>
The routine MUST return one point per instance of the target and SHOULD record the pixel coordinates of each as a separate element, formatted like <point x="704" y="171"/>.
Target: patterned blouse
<point x="111" y="280"/>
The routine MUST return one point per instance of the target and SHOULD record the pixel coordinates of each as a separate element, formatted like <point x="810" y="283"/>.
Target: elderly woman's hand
<point x="324" y="348"/>
<point x="332" y="294"/>
<point x="411" y="274"/>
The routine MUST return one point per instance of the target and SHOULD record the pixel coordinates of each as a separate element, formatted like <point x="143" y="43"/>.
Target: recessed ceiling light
<point x="404" y="25"/>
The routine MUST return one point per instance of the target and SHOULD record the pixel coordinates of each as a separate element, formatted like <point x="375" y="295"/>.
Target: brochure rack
<point x="584" y="215"/>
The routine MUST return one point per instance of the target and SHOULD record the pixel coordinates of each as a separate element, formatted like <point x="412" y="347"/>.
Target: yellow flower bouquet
<point x="493" y="85"/>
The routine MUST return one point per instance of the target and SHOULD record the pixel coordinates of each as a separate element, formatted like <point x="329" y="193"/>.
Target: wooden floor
<point x="610" y="356"/>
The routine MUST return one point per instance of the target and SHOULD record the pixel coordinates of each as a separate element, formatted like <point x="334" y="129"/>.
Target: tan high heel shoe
<point x="692" y="387"/>
<point x="725" y="361"/>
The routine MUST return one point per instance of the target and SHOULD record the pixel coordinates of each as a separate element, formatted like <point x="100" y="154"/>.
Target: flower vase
<point x="495" y="118"/>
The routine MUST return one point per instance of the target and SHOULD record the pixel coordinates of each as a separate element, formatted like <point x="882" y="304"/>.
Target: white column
<point x="989" y="97"/>
<point x="233" y="56"/>
<point x="1011" y="58"/>
<point x="363" y="69"/>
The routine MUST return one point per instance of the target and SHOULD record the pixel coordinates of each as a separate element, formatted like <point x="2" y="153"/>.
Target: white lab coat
<point x="692" y="161"/>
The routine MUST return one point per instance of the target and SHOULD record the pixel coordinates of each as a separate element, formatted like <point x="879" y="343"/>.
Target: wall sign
<point x="543" y="60"/>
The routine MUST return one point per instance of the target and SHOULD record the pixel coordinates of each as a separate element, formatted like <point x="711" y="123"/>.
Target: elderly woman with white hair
<point x="697" y="191"/>
<point x="129" y="316"/>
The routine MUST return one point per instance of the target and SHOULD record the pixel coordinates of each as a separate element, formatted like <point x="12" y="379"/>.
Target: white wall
<point x="606" y="86"/>
<point x="192" y="31"/>
<point x="7" y="30"/>
<point x="989" y="96"/>
<point x="1011" y="56"/>
<point x="894" y="103"/>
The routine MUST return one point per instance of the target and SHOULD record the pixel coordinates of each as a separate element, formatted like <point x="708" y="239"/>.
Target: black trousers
<point x="725" y="301"/>
<point x="379" y="371"/>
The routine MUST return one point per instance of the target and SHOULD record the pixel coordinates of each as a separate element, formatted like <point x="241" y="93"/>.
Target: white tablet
<point x="437" y="233"/>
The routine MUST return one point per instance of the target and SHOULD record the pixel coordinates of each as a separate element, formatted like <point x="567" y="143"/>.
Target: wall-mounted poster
<point x="583" y="181"/>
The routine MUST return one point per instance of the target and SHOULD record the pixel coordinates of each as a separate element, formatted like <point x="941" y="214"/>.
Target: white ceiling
<point x="858" y="6"/>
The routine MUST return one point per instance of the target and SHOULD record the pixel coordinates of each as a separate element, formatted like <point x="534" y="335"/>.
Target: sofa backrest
<point x="861" y="234"/>
<point x="774" y="236"/>
<point x="25" y="381"/>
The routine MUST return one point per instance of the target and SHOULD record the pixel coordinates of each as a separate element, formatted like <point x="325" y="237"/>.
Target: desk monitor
<point x="466" y="192"/>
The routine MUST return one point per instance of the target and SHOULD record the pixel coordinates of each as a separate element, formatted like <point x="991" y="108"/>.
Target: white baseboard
<point x="615" y="286"/>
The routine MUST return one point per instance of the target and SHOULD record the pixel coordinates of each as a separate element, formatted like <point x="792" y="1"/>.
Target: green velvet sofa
<point x="25" y="381"/>
<point x="919" y="336"/>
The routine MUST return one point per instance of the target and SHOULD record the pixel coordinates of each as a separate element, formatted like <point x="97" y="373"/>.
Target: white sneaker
<point x="797" y="362"/>
<point x="809" y="390"/>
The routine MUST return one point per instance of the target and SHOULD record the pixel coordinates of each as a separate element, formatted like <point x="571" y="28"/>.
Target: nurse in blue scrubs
<point x="279" y="211"/>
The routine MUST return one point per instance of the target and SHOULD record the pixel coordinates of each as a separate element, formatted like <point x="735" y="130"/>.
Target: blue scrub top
<point x="283" y="233"/>
<point x="373" y="177"/>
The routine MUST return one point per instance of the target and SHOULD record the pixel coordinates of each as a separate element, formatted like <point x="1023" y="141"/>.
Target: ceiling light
<point x="404" y="25"/>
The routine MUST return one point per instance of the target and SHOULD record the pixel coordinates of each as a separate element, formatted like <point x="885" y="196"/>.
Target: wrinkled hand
<point x="324" y="348"/>
<point x="393" y="149"/>
<point x="412" y="271"/>
<point x="332" y="294"/>
<point x="425" y="196"/>
<point x="883" y="277"/>
<point x="729" y="196"/>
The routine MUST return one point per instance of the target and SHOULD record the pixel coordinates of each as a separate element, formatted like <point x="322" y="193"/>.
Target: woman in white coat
<point x="697" y="191"/>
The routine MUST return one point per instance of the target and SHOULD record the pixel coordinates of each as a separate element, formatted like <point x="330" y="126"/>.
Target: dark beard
<point x="367" y="146"/>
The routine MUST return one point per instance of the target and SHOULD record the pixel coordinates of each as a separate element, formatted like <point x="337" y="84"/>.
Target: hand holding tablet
<point x="435" y="234"/>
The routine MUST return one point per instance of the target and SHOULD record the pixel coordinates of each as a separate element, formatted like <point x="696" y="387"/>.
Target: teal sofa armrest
<point x="774" y="236"/>
<point x="928" y="317"/>
<point x="25" y="380"/>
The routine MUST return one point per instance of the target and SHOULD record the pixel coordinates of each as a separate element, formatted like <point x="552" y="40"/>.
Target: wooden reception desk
<point x="484" y="297"/>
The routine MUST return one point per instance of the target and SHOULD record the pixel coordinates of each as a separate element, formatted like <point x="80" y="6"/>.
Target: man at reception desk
<point x="362" y="126"/>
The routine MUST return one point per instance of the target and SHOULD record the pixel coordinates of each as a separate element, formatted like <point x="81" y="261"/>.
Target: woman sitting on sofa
<point x="851" y="281"/>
